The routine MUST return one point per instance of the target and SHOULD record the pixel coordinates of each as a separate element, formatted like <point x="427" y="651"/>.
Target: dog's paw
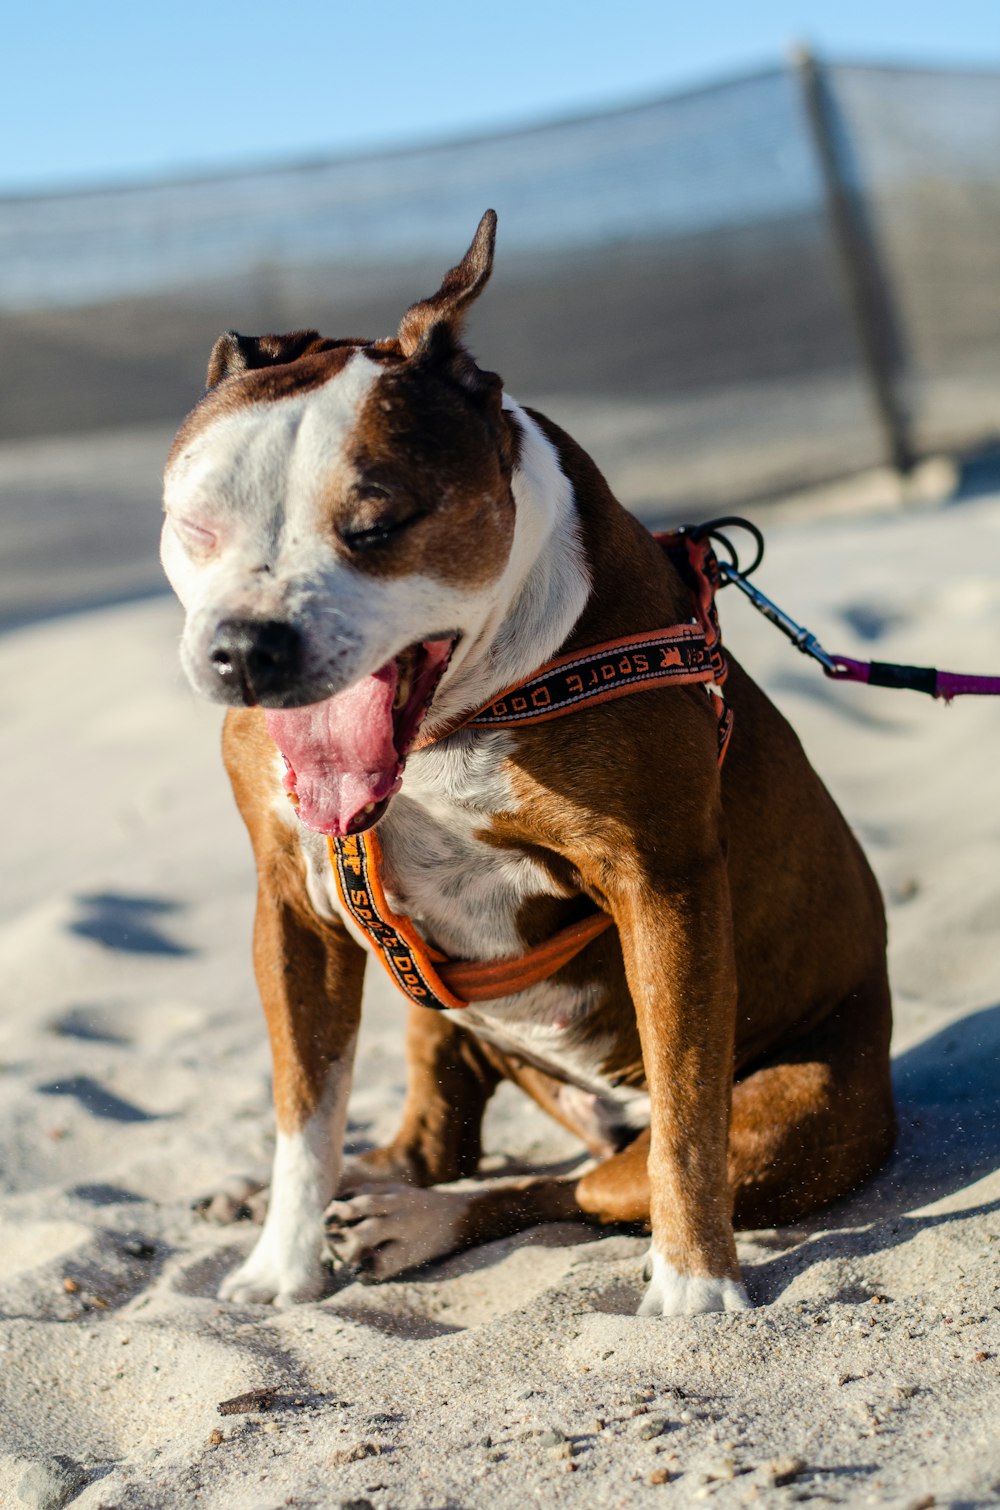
<point x="271" y="1277"/>
<point x="674" y="1294"/>
<point x="241" y="1199"/>
<point x="384" y="1230"/>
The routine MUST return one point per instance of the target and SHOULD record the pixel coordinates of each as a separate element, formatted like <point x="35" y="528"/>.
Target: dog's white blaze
<point x="286" y="1266"/>
<point x="252" y="478"/>
<point x="673" y="1294"/>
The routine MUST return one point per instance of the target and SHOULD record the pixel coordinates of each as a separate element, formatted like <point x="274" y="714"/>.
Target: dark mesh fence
<point x="924" y="152"/>
<point x="672" y="283"/>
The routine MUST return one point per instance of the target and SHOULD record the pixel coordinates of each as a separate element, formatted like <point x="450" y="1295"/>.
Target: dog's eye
<point x="364" y="537"/>
<point x="194" y="536"/>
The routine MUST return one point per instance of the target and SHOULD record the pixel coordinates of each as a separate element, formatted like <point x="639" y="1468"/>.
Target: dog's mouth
<point x="344" y="757"/>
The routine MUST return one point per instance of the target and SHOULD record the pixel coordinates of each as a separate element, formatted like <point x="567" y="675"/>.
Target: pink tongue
<point x="341" y="752"/>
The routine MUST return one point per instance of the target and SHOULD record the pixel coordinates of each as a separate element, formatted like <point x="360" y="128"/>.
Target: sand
<point x="134" y="1076"/>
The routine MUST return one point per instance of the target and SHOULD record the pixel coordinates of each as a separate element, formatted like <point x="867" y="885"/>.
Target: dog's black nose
<point x="259" y="656"/>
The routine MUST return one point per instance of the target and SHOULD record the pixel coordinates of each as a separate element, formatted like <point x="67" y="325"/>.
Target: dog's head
<point x="336" y="513"/>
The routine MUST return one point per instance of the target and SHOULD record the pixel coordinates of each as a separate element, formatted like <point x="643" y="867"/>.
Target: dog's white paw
<point x="383" y="1230"/>
<point x="272" y="1277"/>
<point x="674" y="1294"/>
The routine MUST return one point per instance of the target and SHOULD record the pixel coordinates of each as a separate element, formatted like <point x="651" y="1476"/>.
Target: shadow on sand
<point x="129" y="923"/>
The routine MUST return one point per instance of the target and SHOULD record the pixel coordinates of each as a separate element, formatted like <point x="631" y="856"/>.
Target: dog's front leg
<point x="676" y="932"/>
<point x="310" y="975"/>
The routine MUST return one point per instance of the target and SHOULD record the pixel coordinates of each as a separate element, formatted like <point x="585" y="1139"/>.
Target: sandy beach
<point x="134" y="1076"/>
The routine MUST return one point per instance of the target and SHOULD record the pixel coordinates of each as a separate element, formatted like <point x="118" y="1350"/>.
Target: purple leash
<point x="944" y="684"/>
<point x="841" y="668"/>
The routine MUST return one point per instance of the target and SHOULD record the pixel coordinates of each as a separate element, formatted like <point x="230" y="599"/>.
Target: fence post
<point x="868" y="290"/>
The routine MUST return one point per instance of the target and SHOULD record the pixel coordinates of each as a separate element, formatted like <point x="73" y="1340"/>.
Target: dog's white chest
<point x="462" y="891"/>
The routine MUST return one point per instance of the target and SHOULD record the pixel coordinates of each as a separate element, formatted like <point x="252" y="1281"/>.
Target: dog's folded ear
<point x="234" y="354"/>
<point x="436" y="323"/>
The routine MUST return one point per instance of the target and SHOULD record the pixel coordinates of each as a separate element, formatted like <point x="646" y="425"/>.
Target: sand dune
<point x="134" y="1075"/>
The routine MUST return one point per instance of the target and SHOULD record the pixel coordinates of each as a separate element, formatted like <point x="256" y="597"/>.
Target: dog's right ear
<point x="234" y="354"/>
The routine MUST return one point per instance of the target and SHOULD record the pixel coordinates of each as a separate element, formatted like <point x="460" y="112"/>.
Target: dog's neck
<point x="541" y="593"/>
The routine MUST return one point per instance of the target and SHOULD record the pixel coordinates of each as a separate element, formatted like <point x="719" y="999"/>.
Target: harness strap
<point x="487" y="979"/>
<point x="422" y="972"/>
<point x="409" y="959"/>
<point x="598" y="674"/>
<point x="682" y="655"/>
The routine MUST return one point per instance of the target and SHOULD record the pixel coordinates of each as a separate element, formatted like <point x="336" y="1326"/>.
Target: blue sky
<point x="108" y="91"/>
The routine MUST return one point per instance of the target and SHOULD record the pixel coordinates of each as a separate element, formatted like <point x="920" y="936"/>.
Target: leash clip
<point x="802" y="638"/>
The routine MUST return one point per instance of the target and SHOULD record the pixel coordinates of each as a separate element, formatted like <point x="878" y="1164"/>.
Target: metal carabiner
<point x="802" y="638"/>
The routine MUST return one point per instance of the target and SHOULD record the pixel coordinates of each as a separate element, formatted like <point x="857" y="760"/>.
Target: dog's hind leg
<point x="813" y="1123"/>
<point x="384" y="1230"/>
<point x="451" y="1076"/>
<point x="449" y="1081"/>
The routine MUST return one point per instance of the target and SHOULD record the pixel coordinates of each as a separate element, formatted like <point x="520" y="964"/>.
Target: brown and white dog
<point x="371" y="539"/>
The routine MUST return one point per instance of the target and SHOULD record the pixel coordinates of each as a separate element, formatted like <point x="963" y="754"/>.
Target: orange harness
<point x="680" y="656"/>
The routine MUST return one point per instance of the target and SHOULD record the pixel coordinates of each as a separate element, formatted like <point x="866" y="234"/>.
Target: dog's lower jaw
<point x="673" y="1294"/>
<point x="287" y="1267"/>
